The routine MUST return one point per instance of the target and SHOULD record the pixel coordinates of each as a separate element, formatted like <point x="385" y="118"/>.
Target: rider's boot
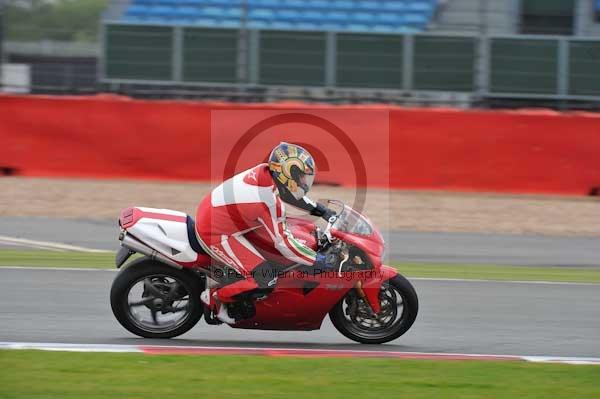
<point x="231" y="303"/>
<point x="233" y="292"/>
<point x="216" y="308"/>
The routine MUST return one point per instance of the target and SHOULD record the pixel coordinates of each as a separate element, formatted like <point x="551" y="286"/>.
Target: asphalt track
<point x="455" y="317"/>
<point x="520" y="250"/>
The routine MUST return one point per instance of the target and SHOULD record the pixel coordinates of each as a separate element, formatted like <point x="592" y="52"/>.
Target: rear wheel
<point x="154" y="300"/>
<point x="352" y="316"/>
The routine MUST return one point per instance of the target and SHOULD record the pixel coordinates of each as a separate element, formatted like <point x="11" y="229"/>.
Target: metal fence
<point x="499" y="66"/>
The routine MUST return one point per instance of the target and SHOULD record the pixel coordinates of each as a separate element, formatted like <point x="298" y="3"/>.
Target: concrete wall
<point x="490" y="16"/>
<point x="585" y="19"/>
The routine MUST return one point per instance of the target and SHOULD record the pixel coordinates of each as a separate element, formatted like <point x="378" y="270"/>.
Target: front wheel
<point x="154" y="300"/>
<point x="352" y="316"/>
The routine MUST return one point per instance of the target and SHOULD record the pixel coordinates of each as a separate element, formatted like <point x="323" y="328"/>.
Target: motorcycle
<point x="157" y="295"/>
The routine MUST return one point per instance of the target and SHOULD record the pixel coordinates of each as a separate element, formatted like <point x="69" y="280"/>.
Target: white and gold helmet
<point x="293" y="168"/>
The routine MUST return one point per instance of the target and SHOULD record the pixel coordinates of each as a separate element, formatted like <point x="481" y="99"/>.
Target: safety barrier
<point x="513" y="66"/>
<point x="430" y="149"/>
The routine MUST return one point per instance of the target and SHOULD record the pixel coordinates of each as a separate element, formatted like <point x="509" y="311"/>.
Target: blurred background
<point x="467" y="53"/>
<point x="476" y="119"/>
<point x="83" y="80"/>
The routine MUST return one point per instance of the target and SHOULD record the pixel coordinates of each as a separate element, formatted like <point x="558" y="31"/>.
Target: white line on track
<point x="70" y="347"/>
<point x="451" y="280"/>
<point x="53" y="246"/>
<point x="21" y="244"/>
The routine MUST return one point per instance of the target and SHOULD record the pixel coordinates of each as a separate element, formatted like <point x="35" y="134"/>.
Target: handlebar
<point x="324" y="237"/>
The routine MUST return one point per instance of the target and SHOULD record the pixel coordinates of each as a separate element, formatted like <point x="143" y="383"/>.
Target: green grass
<point x="486" y="272"/>
<point x="10" y="257"/>
<point x="37" y="374"/>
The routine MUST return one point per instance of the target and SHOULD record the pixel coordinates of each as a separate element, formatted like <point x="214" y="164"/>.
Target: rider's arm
<point x="307" y="204"/>
<point x="273" y="220"/>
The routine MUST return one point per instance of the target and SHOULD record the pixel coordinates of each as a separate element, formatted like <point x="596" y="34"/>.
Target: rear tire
<point x="141" y="270"/>
<point x="349" y="328"/>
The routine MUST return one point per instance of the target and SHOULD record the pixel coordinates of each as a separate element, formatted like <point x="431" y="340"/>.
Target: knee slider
<point x="265" y="275"/>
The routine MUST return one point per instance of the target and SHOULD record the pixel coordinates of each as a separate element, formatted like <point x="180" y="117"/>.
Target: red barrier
<point x="108" y="136"/>
<point x="103" y="137"/>
<point x="521" y="152"/>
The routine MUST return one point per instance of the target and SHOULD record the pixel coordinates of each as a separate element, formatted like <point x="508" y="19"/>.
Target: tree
<point x="69" y="20"/>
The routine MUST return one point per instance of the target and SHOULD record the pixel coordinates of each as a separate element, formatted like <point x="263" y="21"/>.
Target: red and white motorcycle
<point x="158" y="294"/>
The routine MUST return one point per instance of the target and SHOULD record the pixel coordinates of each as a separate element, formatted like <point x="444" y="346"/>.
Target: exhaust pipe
<point x="137" y="246"/>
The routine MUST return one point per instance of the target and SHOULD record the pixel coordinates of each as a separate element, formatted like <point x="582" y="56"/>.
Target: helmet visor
<point x="306" y="181"/>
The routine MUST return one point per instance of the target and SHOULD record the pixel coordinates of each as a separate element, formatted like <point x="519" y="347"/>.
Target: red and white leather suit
<point x="249" y="200"/>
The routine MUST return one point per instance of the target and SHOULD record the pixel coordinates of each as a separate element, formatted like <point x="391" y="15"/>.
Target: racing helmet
<point x="292" y="168"/>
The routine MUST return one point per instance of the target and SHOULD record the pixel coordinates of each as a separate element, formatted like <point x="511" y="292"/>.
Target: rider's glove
<point x="325" y="261"/>
<point x="322" y="211"/>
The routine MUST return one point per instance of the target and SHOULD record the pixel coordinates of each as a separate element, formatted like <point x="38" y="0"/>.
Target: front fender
<point x="372" y="286"/>
<point x="388" y="272"/>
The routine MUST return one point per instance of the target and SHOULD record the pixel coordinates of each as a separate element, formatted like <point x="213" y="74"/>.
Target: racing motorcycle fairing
<point x="302" y="297"/>
<point x="301" y="300"/>
<point x="170" y="233"/>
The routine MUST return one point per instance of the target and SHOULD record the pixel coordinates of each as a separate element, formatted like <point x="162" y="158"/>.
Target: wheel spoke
<point x="176" y="309"/>
<point x="149" y="286"/>
<point x="174" y="286"/>
<point x="153" y="312"/>
<point x="143" y="302"/>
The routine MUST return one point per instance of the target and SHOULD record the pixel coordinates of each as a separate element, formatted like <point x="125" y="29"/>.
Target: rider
<point x="250" y="200"/>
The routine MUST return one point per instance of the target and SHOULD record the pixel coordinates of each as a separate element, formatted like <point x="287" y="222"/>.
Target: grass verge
<point x="37" y="374"/>
<point x="485" y="272"/>
<point x="34" y="258"/>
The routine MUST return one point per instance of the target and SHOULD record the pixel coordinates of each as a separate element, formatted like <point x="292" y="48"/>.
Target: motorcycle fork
<point x="371" y="296"/>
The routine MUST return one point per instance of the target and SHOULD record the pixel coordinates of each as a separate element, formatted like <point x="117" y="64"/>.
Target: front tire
<point x="351" y="317"/>
<point x="170" y="296"/>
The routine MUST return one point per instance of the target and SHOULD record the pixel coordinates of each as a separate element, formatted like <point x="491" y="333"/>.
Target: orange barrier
<point x="432" y="149"/>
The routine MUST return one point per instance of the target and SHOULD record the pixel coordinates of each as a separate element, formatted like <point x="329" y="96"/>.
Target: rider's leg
<point x="238" y="254"/>
<point x="261" y="280"/>
<point x="249" y="262"/>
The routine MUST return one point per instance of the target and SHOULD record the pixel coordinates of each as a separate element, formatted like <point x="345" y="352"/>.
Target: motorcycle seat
<point x="191" y="232"/>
